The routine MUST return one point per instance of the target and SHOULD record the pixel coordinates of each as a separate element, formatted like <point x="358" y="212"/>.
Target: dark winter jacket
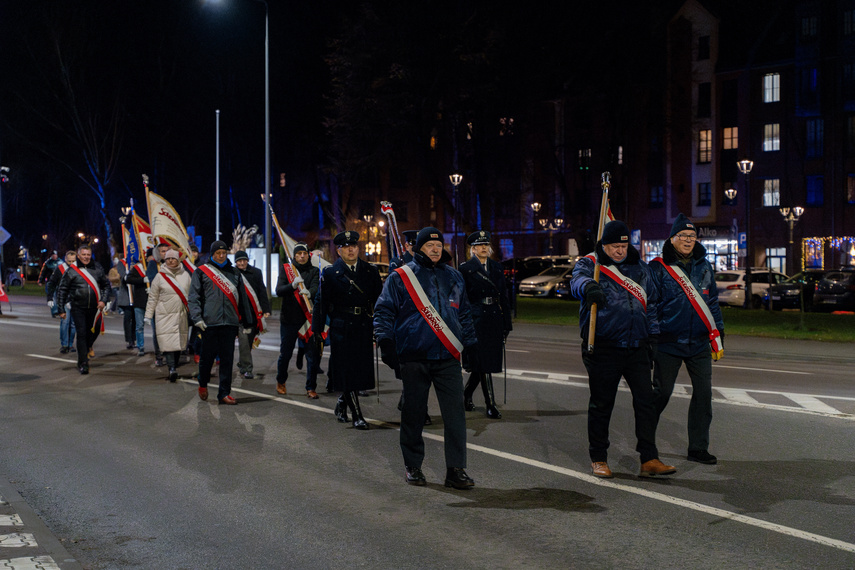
<point x="396" y="316"/>
<point x="255" y="279"/>
<point x="681" y="330"/>
<point x="291" y="311"/>
<point x="136" y="277"/>
<point x="74" y="289"/>
<point x="491" y="312"/>
<point x="208" y="303"/>
<point x="623" y="322"/>
<point x="53" y="283"/>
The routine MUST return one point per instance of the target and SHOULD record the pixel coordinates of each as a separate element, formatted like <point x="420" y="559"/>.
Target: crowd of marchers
<point x="431" y="322"/>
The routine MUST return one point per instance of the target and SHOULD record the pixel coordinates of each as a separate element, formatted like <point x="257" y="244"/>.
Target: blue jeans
<point x="66" y="329"/>
<point x="139" y="316"/>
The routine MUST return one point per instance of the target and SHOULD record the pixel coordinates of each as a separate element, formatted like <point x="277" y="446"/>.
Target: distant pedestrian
<point x="66" y="324"/>
<point x="137" y="277"/>
<point x="168" y="303"/>
<point x="491" y="313"/>
<point x="347" y="293"/>
<point x="84" y="286"/>
<point x="691" y="330"/>
<point x="124" y="300"/>
<point x="256" y="292"/>
<point x="218" y="307"/>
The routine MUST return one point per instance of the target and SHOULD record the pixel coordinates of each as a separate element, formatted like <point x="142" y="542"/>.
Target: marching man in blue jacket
<point x="423" y="325"/>
<point x="690" y="330"/>
<point x="626" y="300"/>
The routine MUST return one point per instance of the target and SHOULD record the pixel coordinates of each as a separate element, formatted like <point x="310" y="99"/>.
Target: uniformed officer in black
<point x="348" y="291"/>
<point x="491" y="313"/>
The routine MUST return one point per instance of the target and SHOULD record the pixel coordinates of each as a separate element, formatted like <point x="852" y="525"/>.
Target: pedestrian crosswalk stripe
<point x="30" y="563"/>
<point x="17" y="540"/>
<point x="10" y="520"/>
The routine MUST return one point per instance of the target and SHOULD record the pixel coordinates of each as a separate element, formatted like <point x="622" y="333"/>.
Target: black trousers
<point x="447" y="379"/>
<point x="605" y="368"/>
<point x="129" y="324"/>
<point x="218" y="342"/>
<point x="83" y="320"/>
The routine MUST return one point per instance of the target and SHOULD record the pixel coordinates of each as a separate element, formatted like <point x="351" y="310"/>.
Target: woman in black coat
<point x="488" y="298"/>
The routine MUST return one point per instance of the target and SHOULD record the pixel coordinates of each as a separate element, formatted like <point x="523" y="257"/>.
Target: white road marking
<point x="17" y="540"/>
<point x="10" y="520"/>
<point x="44" y="357"/>
<point x="812" y="403"/>
<point x="587" y="478"/>
<point x="762" y="369"/>
<point x="30" y="563"/>
<point x="736" y="395"/>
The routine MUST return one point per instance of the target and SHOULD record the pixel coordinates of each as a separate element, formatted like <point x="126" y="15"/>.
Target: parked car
<point x="543" y="284"/>
<point x="562" y="290"/>
<point x="14" y="278"/>
<point x="731" y="285"/>
<point x="519" y="268"/>
<point x="785" y="295"/>
<point x="835" y="291"/>
<point x="383" y="268"/>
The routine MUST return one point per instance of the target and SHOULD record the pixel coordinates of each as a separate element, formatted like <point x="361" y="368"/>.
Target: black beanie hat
<point x="426" y="235"/>
<point x="615" y="232"/>
<point x="300" y="247"/>
<point x="682" y="223"/>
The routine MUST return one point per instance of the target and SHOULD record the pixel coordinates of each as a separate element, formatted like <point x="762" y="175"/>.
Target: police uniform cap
<point x="346" y="238"/>
<point x="410" y="236"/>
<point x="481" y="237"/>
<point x="241" y="255"/>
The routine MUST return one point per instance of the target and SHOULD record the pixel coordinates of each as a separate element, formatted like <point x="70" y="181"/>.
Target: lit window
<point x="730" y="138"/>
<point x="771" y="87"/>
<point x="620" y="155"/>
<point x="772" y="192"/>
<point x="704" y="146"/>
<point x="771" y="137"/>
<point x="584" y="159"/>
<point x="657" y="197"/>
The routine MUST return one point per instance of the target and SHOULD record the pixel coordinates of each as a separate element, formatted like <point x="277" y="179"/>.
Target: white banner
<point x="165" y="222"/>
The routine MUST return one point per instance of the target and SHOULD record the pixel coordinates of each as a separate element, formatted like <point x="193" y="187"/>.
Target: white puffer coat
<point x="170" y="314"/>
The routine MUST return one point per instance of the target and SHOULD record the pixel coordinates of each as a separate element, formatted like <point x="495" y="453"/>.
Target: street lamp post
<point x="547" y="224"/>
<point x="745" y="167"/>
<point x="456" y="179"/>
<point x="791" y="217"/>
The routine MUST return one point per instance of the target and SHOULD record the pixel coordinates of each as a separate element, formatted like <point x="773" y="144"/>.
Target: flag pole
<point x="604" y="207"/>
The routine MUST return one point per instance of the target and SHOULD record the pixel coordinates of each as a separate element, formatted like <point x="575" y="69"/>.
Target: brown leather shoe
<point x="601" y="469"/>
<point x="655" y="467"/>
<point x="228" y="401"/>
<point x="203" y="393"/>
<point x="312" y="394"/>
<point x="280" y="389"/>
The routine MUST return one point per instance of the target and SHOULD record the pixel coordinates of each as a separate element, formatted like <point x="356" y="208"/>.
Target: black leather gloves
<point x="388" y="353"/>
<point x="594" y="294"/>
<point x="652" y="347"/>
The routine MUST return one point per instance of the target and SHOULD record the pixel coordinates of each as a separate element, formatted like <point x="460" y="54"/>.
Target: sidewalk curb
<point x="47" y="542"/>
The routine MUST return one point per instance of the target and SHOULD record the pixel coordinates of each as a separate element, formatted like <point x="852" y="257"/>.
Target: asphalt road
<point x="128" y="471"/>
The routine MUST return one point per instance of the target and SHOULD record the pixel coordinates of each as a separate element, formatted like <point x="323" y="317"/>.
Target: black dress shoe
<point x="704" y="457"/>
<point x="468" y="404"/>
<point x="414" y="476"/>
<point x="363" y="393"/>
<point x="428" y="421"/>
<point x="63" y="350"/>
<point x="84" y="369"/>
<point x="456" y="477"/>
<point x="173" y="375"/>
<point x="493" y="413"/>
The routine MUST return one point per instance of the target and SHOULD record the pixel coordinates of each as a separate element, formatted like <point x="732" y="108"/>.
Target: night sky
<point x="164" y="66"/>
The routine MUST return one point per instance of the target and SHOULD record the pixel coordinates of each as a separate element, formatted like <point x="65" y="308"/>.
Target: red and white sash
<point x="256" y="306"/>
<point x="139" y="268"/>
<point x="63" y="267"/>
<point x="84" y="273"/>
<point x="170" y="280"/>
<point x="227" y="287"/>
<point x="188" y="266"/>
<point x="699" y="305"/>
<point x="429" y="312"/>
<point x="631" y="286"/>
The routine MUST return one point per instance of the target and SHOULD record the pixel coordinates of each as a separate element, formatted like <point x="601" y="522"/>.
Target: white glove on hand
<point x="305" y="292"/>
<point x="147" y="321"/>
<point x="145" y="280"/>
<point x="201" y="325"/>
<point x="297" y="280"/>
<point x="247" y="331"/>
<point x="50" y="304"/>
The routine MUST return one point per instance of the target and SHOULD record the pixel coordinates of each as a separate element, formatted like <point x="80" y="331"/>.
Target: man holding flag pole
<point x="618" y="319"/>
